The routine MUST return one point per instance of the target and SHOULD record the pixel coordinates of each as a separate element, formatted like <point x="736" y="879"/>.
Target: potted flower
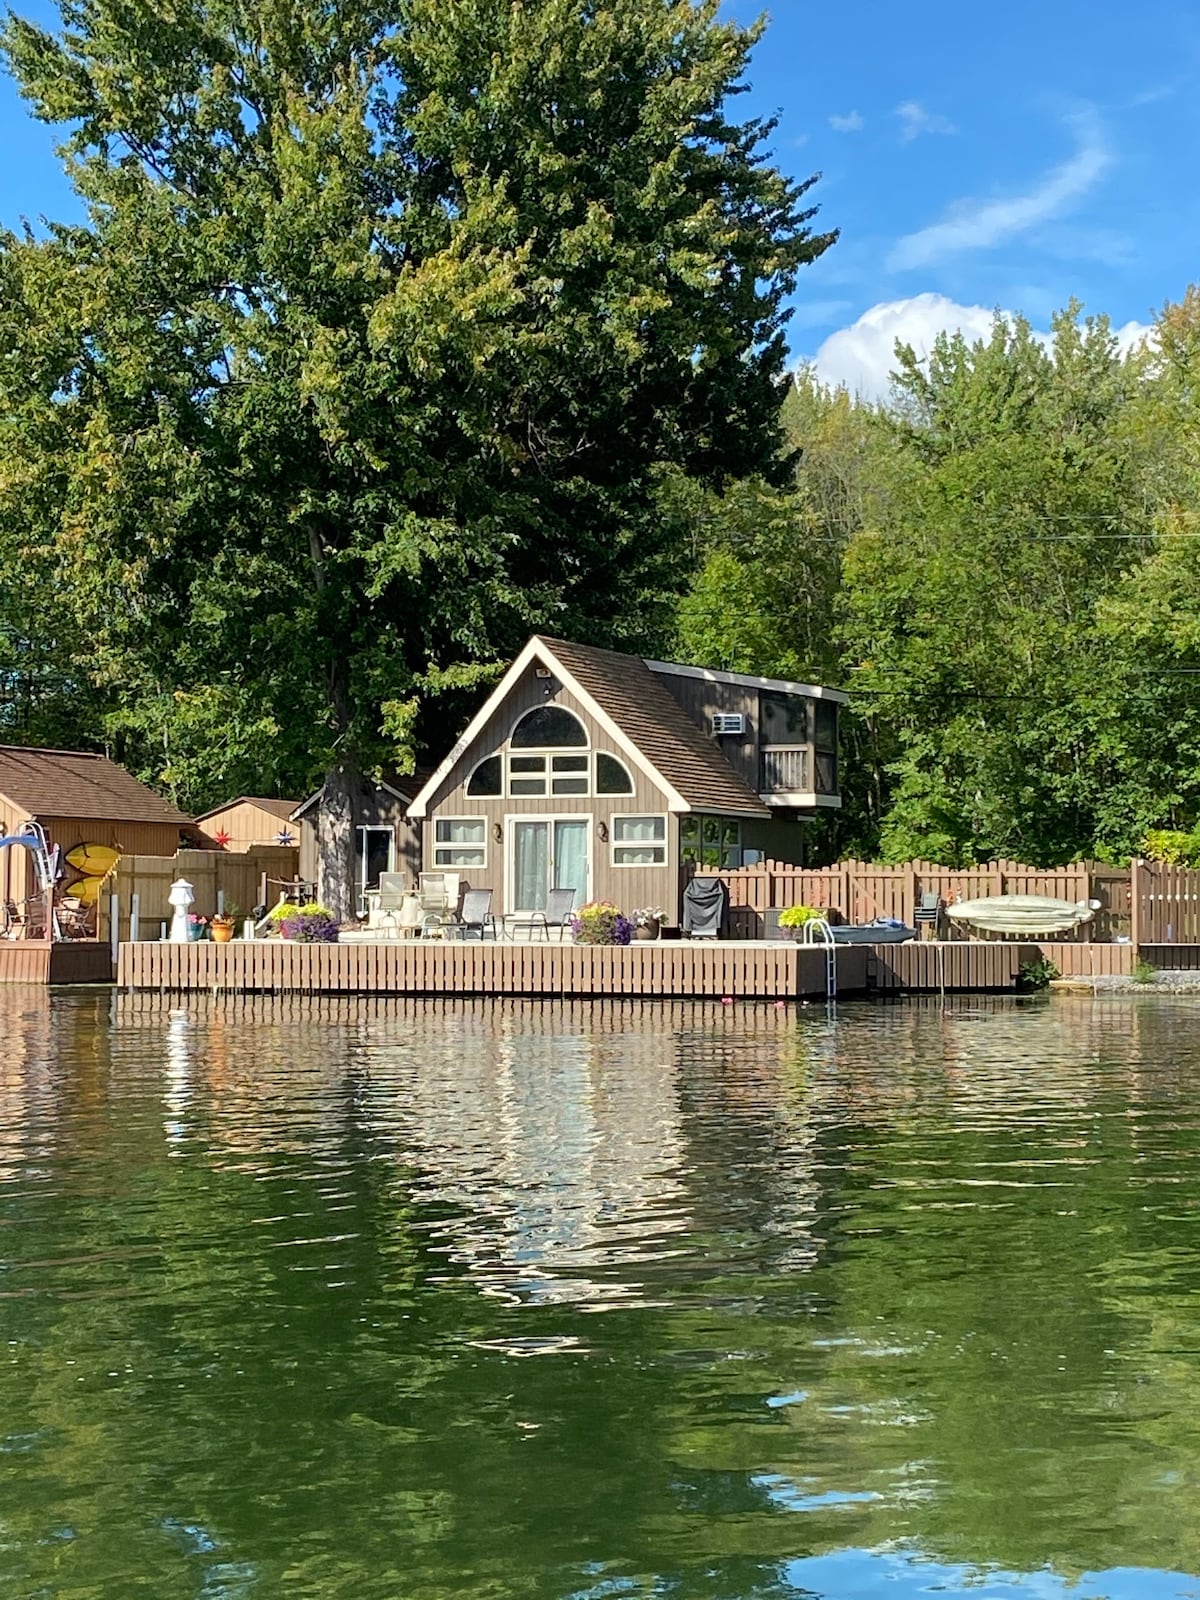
<point x="224" y="924"/>
<point x="197" y="928"/>
<point x="795" y="917"/>
<point x="647" y="923"/>
<point x="601" y="922"/>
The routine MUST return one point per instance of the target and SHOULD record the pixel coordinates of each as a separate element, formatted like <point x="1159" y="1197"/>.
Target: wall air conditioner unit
<point x="729" y="722"/>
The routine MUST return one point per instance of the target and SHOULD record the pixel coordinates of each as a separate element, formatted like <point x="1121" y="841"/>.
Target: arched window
<point x="549" y="728"/>
<point x="612" y="776"/>
<point x="488" y="777"/>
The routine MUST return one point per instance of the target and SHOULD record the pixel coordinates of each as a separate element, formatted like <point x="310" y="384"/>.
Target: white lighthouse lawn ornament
<point x="181" y="896"/>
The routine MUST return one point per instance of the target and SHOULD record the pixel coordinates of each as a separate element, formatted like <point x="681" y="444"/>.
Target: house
<point x="79" y="798"/>
<point x="248" y="821"/>
<point x="385" y="839"/>
<point x="616" y="776"/>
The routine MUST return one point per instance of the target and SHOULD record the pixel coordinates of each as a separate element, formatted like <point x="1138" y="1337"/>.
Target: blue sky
<point x="1006" y="155"/>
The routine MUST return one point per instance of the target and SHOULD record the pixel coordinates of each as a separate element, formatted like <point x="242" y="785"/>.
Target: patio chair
<point x="476" y="914"/>
<point x="928" y="911"/>
<point x="560" y="906"/>
<point x="390" y="898"/>
<point x="438" y="893"/>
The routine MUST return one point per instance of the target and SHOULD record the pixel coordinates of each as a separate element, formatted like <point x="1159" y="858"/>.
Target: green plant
<point x="285" y="908"/>
<point x="1143" y="972"/>
<point x="601" y="922"/>
<point x="1172" y="845"/>
<point x="797" y="916"/>
<point x="232" y="913"/>
<point x="1036" y="975"/>
<point x="309" y="924"/>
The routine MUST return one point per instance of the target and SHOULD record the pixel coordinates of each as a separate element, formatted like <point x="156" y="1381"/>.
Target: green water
<point x="544" y="1303"/>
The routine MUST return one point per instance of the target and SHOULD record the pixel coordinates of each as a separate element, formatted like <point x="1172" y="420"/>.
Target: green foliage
<point x="1143" y="972"/>
<point x="797" y="916"/>
<point x="1172" y="845"/>
<point x="1037" y="975"/>
<point x="384" y="329"/>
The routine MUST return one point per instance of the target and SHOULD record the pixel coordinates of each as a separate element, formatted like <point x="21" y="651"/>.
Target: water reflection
<point x="300" y="1298"/>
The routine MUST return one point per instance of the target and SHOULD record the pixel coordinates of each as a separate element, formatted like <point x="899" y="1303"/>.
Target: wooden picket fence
<point x="240" y="878"/>
<point x="1148" y="902"/>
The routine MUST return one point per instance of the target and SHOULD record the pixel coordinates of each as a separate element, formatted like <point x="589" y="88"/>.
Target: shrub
<point x="310" y="924"/>
<point x="601" y="922"/>
<point x="1035" y="975"/>
<point x="1143" y="972"/>
<point x="797" y="916"/>
<point x="1172" y="845"/>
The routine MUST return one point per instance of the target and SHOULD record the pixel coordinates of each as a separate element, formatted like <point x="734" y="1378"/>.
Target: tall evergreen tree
<point x="385" y="323"/>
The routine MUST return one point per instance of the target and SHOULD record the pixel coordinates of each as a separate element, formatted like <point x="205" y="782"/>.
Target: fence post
<point x="1135" y="908"/>
<point x="910" y="896"/>
<point x="114" y="926"/>
<point x="133" y="918"/>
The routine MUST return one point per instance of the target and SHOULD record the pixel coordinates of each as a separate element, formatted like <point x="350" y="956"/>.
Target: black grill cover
<point x="704" y="903"/>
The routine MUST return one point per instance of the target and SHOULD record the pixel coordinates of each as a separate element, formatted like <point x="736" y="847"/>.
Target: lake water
<point x="306" y="1301"/>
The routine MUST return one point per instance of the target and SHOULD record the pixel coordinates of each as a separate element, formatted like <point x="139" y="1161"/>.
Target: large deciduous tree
<point x="385" y="324"/>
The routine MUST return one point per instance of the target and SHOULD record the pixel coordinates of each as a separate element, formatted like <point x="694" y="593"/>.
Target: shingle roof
<point x="76" y="783"/>
<point x="278" y="808"/>
<point x="626" y="690"/>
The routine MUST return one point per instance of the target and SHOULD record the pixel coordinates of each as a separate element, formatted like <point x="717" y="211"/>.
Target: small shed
<point x="384" y="838"/>
<point x="250" y="821"/>
<point x="79" y="798"/>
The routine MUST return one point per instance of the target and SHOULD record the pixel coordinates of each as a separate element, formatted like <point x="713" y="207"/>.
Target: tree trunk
<point x="336" y="816"/>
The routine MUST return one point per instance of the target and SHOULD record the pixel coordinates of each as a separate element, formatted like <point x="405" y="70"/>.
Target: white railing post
<point x="133" y="918"/>
<point x="114" y="925"/>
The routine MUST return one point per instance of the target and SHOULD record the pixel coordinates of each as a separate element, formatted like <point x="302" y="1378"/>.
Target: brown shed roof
<point x="630" y="694"/>
<point x="277" y="808"/>
<point x="77" y="783"/>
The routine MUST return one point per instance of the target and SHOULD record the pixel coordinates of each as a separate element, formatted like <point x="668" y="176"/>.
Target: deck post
<point x="1135" y="907"/>
<point x="114" y="926"/>
<point x="134" y="900"/>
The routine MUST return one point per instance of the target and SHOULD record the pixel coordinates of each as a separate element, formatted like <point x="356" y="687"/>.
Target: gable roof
<point x="78" y="783"/>
<point x="640" y="716"/>
<point x="405" y="787"/>
<point x="277" y="808"/>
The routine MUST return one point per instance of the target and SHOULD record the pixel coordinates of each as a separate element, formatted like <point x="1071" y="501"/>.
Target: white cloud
<point x="862" y="356"/>
<point x="977" y="225"/>
<point x="852" y="122"/>
<point x="915" y="120"/>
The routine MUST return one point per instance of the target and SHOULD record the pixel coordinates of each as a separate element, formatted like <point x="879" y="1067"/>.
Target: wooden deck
<point x="670" y="970"/>
<point x="36" y="961"/>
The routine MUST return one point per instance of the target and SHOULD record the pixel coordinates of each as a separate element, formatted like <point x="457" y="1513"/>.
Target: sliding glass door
<point x="547" y="853"/>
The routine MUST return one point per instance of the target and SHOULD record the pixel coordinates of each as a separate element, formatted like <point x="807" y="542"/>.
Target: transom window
<point x="639" y="841"/>
<point x="488" y="777"/>
<point x="529" y="775"/>
<point x="460" y="842"/>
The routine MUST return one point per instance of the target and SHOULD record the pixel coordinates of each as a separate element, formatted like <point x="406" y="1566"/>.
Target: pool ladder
<point x="819" y="932"/>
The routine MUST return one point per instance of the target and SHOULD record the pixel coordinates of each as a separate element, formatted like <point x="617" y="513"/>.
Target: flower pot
<point x="222" y="929"/>
<point x="648" y="930"/>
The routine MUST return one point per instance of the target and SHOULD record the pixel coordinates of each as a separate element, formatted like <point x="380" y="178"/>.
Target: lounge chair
<point x="476" y="914"/>
<point x="560" y="907"/>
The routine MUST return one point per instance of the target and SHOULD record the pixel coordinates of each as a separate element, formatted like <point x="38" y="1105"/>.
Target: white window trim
<point x="616" y="844"/>
<point x="595" y="776"/>
<point x="548" y="774"/>
<point x="459" y="866"/>
<point x="560" y="749"/>
<point x="495" y="755"/>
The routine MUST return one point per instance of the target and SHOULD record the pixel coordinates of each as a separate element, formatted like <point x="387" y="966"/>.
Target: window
<point x="529" y="775"/>
<point x="639" y="841"/>
<point x="488" y="777"/>
<point x="710" y="841"/>
<point x="375" y="849"/>
<point x="460" y="842"/>
<point x="826" y="742"/>
<point x="549" y="728"/>
<point x="612" y="776"/>
<point x="783" y="718"/>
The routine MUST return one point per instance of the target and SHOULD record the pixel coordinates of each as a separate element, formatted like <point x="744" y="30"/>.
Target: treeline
<point x="394" y="333"/>
<point x="1003" y="567"/>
